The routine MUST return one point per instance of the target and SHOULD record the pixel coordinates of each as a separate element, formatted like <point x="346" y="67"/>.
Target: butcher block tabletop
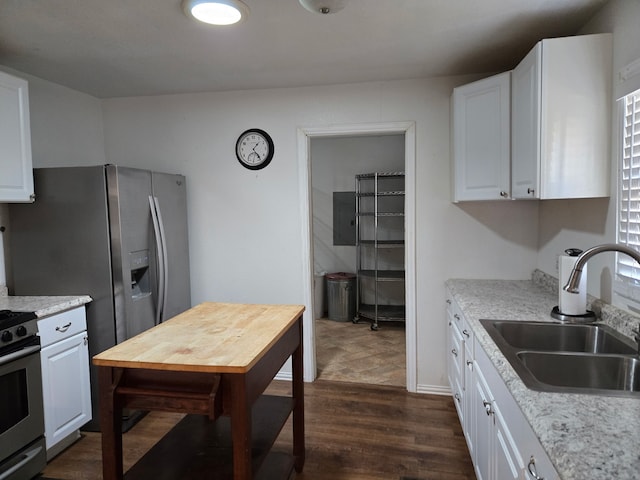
<point x="210" y="337"/>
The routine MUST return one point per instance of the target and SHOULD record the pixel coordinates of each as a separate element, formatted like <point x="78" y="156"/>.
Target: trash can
<point x="341" y="296"/>
<point x="319" y="295"/>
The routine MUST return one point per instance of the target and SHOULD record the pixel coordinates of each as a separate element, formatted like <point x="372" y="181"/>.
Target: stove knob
<point x="7" y="336"/>
<point x="21" y="331"/>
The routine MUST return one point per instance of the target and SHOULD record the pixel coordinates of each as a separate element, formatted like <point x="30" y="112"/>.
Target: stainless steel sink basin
<point x="555" y="337"/>
<point x="579" y="371"/>
<point x="554" y="357"/>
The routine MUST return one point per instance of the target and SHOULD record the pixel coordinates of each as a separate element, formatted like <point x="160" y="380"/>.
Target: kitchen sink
<point x="560" y="337"/>
<point x="579" y="371"/>
<point x="571" y="358"/>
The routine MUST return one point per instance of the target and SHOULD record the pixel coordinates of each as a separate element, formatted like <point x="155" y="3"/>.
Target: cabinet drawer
<point x="62" y="325"/>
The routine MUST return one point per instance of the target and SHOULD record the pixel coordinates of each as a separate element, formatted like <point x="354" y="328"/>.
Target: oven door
<point x="21" y="410"/>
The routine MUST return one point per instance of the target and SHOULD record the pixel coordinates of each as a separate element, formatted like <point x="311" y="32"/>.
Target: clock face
<point x="254" y="149"/>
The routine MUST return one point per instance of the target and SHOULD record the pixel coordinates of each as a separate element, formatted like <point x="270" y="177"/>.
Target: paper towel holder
<point x="586" y="317"/>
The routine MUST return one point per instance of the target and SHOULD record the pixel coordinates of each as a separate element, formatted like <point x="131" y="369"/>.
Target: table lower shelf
<point x="197" y="448"/>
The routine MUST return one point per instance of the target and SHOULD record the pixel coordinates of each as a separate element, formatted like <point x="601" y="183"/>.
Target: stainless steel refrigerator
<point x="117" y="234"/>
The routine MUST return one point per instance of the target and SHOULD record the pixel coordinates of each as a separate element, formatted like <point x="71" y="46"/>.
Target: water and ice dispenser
<point x="140" y="281"/>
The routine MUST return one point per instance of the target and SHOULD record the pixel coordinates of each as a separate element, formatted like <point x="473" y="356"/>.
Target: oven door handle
<point x="19" y="354"/>
<point x="28" y="456"/>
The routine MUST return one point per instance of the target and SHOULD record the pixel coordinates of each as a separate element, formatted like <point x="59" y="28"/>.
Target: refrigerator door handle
<point x="165" y="260"/>
<point x="159" y="250"/>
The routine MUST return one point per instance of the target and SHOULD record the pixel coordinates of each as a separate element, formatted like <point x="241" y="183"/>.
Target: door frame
<point x="304" y="136"/>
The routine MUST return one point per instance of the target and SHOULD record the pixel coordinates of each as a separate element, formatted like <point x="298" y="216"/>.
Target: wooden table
<point x="214" y="359"/>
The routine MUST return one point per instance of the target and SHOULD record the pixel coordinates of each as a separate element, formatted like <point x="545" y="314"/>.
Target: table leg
<point x="240" y="427"/>
<point x="110" y="425"/>
<point x="298" y="408"/>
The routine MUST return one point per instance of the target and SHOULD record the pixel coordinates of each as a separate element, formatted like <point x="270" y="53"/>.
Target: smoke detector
<point x="324" y="7"/>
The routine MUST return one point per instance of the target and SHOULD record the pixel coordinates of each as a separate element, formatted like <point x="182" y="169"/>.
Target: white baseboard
<point x="433" y="390"/>
<point x="424" y="389"/>
<point x="284" y="376"/>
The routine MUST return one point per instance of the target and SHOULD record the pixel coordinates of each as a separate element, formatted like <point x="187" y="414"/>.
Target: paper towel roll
<point x="571" y="303"/>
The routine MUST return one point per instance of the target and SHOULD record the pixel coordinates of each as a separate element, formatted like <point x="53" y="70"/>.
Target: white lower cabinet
<point x="65" y="377"/>
<point x="482" y="423"/>
<point x="460" y="365"/>
<point x="498" y="456"/>
<point x="501" y="442"/>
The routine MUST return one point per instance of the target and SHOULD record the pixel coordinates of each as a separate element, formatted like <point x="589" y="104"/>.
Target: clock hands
<point x="254" y="151"/>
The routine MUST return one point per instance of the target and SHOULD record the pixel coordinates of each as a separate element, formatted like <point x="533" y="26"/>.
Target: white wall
<point x="584" y="223"/>
<point x="245" y="226"/>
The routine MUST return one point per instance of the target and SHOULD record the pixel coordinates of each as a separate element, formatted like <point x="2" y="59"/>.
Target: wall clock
<point x="254" y="149"/>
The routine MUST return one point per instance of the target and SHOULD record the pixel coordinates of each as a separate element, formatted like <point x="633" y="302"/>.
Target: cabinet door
<point x="576" y="117"/>
<point x="561" y="95"/>
<point x="65" y="380"/>
<point x="469" y="411"/>
<point x="508" y="464"/>
<point x="525" y="133"/>
<point x="456" y="355"/>
<point x="16" y="174"/>
<point x="481" y="139"/>
<point x="483" y="422"/>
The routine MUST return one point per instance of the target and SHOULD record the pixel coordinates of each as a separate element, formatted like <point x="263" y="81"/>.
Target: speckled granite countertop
<point x="43" y="306"/>
<point x="585" y="436"/>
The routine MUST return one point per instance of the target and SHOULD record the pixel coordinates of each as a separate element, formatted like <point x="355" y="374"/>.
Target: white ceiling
<point x="115" y="48"/>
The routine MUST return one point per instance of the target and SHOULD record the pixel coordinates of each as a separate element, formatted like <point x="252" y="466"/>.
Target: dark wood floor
<point x="353" y="432"/>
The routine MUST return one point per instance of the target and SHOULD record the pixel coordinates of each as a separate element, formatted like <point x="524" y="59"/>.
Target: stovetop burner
<point x="10" y="318"/>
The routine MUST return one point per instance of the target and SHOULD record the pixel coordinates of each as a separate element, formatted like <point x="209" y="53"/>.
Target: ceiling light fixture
<point x="216" y="12"/>
<point x="323" y="6"/>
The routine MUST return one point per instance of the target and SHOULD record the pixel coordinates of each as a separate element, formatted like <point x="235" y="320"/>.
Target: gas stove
<point x="16" y="326"/>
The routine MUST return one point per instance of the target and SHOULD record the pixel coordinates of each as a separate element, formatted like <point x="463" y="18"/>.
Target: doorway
<point x="406" y="131"/>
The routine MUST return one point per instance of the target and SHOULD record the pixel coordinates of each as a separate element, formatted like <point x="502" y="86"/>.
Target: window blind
<point x="627" y="269"/>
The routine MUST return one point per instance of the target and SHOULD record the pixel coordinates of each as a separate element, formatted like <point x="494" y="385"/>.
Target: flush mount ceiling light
<point x="323" y="6"/>
<point x="216" y="12"/>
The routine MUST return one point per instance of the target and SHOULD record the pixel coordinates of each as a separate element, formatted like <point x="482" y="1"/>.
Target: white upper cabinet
<point x="481" y="143"/>
<point x="560" y="125"/>
<point x="16" y="174"/>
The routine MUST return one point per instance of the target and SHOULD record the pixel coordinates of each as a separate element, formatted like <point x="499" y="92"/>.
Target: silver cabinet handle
<point x="469" y="363"/>
<point x="457" y="397"/>
<point x="487" y="407"/>
<point x="466" y="333"/>
<point x="532" y="469"/>
<point x="456" y="316"/>
<point x="448" y="302"/>
<point x="63" y="328"/>
<point x="530" y="191"/>
<point x="504" y="194"/>
<point x="455" y="352"/>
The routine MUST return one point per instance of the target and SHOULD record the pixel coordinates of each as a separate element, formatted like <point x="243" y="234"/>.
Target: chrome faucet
<point x="574" y="276"/>
<point x="576" y="273"/>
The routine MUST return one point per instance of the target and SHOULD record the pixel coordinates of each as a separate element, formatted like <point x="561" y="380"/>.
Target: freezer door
<point x="170" y="191"/>
<point x="133" y="250"/>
